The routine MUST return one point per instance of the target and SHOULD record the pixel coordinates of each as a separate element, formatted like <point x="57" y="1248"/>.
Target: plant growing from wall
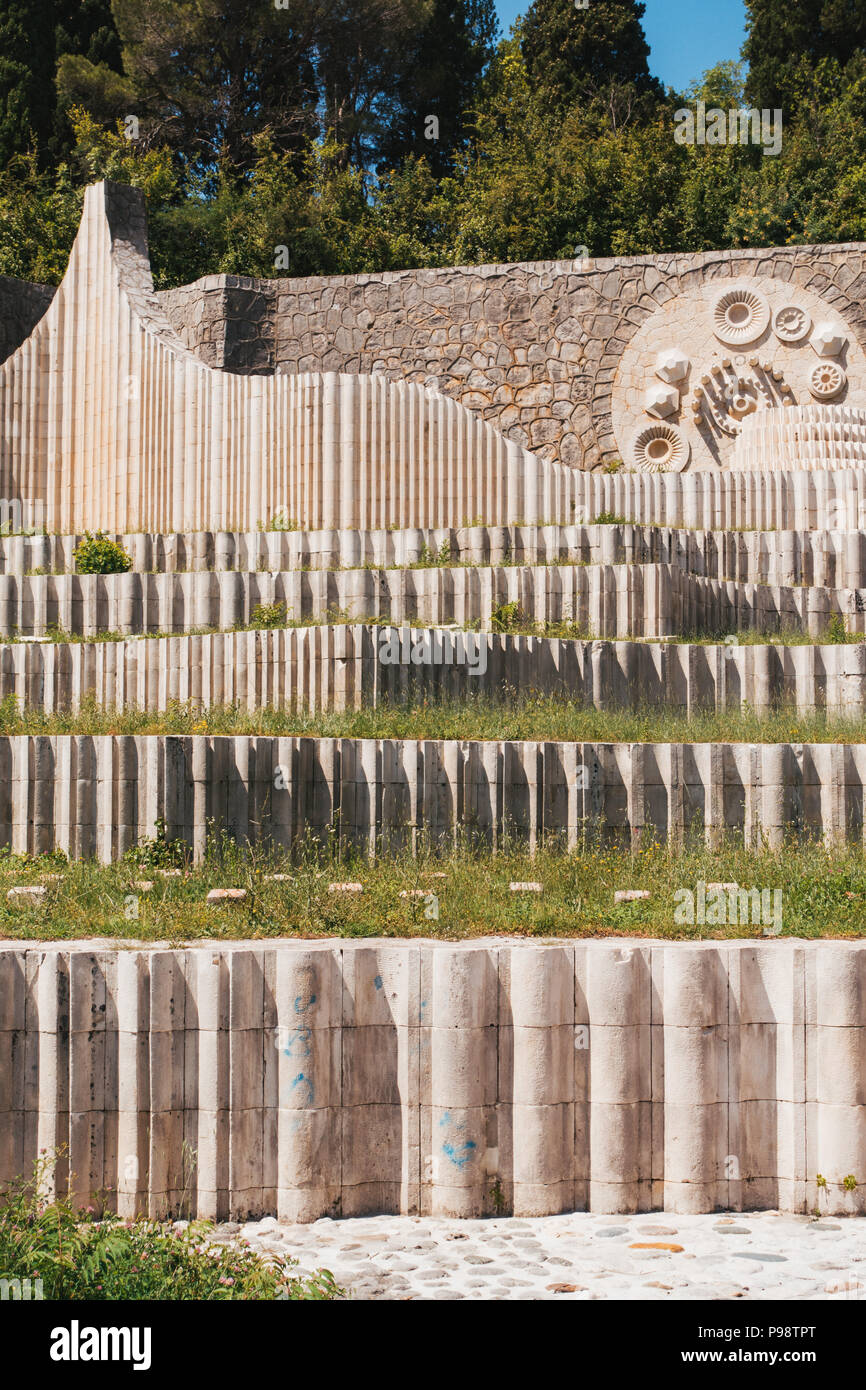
<point x="161" y="852"/>
<point x="100" y="555"/>
<point x="266" y="615"/>
<point x="505" y="617"/>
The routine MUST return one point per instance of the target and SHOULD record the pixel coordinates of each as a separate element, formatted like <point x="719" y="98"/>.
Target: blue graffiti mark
<point x="458" y="1154"/>
<point x="300" y="1037"/>
<point x="378" y="982"/>
<point x="300" y="1007"/>
<point x="301" y="1080"/>
<point x="460" y="1157"/>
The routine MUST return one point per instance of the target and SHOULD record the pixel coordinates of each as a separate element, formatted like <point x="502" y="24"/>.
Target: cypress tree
<point x="579" y="55"/>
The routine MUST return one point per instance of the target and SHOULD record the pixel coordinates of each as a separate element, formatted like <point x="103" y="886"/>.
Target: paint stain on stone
<point x="302" y="1080"/>
<point x="300" y="1039"/>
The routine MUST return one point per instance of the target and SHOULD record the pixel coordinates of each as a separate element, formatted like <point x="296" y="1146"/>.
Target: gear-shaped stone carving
<point x="791" y="323"/>
<point x="827" y="380"/>
<point x="740" y="315"/>
<point x="660" y="448"/>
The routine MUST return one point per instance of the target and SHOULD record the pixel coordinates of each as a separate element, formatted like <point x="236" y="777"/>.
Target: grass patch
<point x="556" y="718"/>
<point x="78" y="1255"/>
<point x="835" y="634"/>
<point x="454" y="895"/>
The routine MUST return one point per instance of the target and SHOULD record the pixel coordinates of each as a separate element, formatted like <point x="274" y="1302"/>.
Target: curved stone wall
<point x="532" y="349"/>
<point x="108" y="420"/>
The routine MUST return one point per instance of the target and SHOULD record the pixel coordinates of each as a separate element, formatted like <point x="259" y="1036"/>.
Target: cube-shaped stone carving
<point x="672" y="365"/>
<point x="661" y="401"/>
<point x="828" y="340"/>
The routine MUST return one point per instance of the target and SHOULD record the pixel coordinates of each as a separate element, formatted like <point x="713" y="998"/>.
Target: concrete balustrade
<point x="351" y="667"/>
<point x="309" y="1079"/>
<point x="99" y="795"/>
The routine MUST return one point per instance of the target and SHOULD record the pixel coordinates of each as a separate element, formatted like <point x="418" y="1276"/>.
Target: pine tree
<point x="86" y="45"/>
<point x="598" y="54"/>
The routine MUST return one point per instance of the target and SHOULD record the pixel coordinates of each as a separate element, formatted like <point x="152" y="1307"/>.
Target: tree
<point x="87" y="27"/>
<point x="598" y="54"/>
<point x="26" y="76"/>
<point x="437" y="84"/>
<point x="89" y="65"/>
<point x="787" y="37"/>
<point x="361" y="53"/>
<point x="204" y="77"/>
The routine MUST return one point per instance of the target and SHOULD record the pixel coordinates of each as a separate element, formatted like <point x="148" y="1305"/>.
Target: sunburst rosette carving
<point x="660" y="448"/>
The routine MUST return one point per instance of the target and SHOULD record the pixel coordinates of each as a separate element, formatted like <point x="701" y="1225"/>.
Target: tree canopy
<point x="366" y="135"/>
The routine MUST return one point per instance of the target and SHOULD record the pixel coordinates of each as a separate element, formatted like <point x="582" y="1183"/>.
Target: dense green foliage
<point x="370" y="135"/>
<point x="100" y="555"/>
<point x="788" y="40"/>
<point x="78" y="1255"/>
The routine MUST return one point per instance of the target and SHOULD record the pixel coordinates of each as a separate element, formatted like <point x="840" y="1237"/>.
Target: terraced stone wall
<point x="338" y="1078"/>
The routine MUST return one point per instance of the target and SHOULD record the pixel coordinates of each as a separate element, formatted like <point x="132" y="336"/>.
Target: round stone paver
<point x="578" y="1256"/>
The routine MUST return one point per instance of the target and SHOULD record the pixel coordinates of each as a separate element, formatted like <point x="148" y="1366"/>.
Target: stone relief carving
<point x="791" y="323"/>
<point x="803" y="437"/>
<point x="827" y="380"/>
<point x="661" y="401"/>
<point x="829" y="340"/>
<point x="710" y="360"/>
<point x="672" y="365"/>
<point x="740" y="315"/>
<point x="660" y="448"/>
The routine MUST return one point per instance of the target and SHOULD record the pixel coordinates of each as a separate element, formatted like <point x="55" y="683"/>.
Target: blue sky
<point x="686" y="36"/>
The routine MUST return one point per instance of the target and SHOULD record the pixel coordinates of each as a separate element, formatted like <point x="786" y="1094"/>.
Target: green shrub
<point x="161" y="852"/>
<point x="432" y="559"/>
<point x="609" y="519"/>
<point x="99" y="555"/>
<point x="269" y="615"/>
<point x="836" y="629"/>
<point x="280" y="521"/>
<point x="506" y="617"/>
<point x="78" y="1255"/>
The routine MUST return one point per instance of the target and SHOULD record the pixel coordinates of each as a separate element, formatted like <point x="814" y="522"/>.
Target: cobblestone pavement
<point x="579" y="1256"/>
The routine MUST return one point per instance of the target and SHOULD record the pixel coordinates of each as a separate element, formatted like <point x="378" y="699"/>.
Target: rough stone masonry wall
<point x="308" y="1079"/>
<point x="531" y="348"/>
<point x="22" y="305"/>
